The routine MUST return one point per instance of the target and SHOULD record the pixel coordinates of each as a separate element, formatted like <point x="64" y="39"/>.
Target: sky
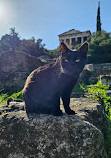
<point x="46" y="19"/>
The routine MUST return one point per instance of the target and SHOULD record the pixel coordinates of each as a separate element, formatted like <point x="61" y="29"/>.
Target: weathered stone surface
<point x="99" y="68"/>
<point x="87" y="109"/>
<point x="90" y="110"/>
<point x="105" y="68"/>
<point x="13" y="79"/>
<point x="13" y="106"/>
<point x="44" y="136"/>
<point x="17" y="62"/>
<point x="105" y="79"/>
<point x="47" y="136"/>
<point x="92" y="72"/>
<point x="89" y="67"/>
<point x="15" y="67"/>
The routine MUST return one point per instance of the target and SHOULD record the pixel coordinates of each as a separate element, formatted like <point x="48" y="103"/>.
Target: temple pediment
<point x="73" y="31"/>
<point x="73" y="37"/>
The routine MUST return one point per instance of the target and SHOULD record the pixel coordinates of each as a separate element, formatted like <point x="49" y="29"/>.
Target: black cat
<point x="46" y="84"/>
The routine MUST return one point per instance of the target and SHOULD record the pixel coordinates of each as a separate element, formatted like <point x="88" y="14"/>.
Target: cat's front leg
<point x="66" y="102"/>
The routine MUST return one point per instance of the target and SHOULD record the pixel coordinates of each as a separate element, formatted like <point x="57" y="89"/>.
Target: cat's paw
<point x="71" y="112"/>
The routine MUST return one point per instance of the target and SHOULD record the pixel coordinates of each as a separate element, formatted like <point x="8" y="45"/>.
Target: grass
<point x="99" y="93"/>
<point x="79" y="87"/>
<point x="7" y="93"/>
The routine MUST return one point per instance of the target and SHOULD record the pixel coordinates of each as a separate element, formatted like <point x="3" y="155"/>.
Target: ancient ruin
<point x="47" y="136"/>
<point x="73" y="37"/>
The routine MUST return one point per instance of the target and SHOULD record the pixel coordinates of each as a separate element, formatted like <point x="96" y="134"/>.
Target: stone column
<point x="70" y="42"/>
<point x="76" y="39"/>
<point x="64" y="41"/>
<point x="82" y="39"/>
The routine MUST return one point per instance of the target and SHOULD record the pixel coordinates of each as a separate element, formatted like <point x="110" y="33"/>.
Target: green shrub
<point x="79" y="87"/>
<point x="4" y="95"/>
<point x="99" y="93"/>
<point x="100" y="48"/>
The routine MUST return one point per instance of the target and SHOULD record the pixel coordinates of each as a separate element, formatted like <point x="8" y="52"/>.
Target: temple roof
<point x="73" y="31"/>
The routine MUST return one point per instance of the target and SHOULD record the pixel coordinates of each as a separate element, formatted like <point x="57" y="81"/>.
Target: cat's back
<point x="40" y="77"/>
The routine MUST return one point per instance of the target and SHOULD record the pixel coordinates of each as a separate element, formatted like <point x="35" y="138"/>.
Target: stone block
<point x="105" y="79"/>
<point x="47" y="136"/>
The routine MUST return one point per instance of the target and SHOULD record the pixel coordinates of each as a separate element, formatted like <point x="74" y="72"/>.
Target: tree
<point x="32" y="47"/>
<point x="54" y="53"/>
<point x="98" y="30"/>
<point x="10" y="41"/>
<point x="15" y="39"/>
<point x="100" y="48"/>
<point x="5" y="43"/>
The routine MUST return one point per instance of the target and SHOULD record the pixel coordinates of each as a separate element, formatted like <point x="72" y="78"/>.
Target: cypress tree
<point x="98" y="19"/>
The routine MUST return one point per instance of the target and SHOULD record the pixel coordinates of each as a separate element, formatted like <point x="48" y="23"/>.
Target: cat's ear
<point x="83" y="49"/>
<point x="64" y="48"/>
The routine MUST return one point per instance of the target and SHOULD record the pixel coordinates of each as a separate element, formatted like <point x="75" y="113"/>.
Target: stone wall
<point x="105" y="80"/>
<point x="92" y="72"/>
<point x="104" y="68"/>
<point x="13" y="79"/>
<point x="15" y="67"/>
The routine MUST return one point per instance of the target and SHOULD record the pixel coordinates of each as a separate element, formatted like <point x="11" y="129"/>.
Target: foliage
<point x="3" y="98"/>
<point x="32" y="47"/>
<point x="12" y="42"/>
<point x="100" y="48"/>
<point x="54" y="53"/>
<point x="79" y="87"/>
<point x="98" y="20"/>
<point x="100" y="93"/>
<point x="17" y="96"/>
<point x="5" y="94"/>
